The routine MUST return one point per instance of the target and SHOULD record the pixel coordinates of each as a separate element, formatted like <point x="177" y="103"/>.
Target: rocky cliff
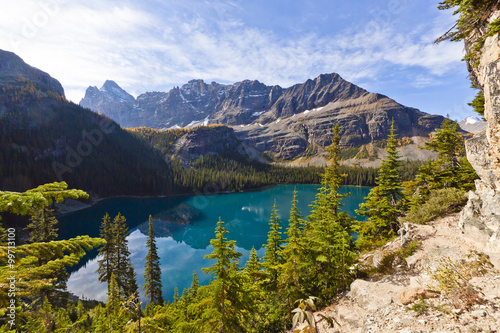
<point x="481" y="217"/>
<point x="282" y="122"/>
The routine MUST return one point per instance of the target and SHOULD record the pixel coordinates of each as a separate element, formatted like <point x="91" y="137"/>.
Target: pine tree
<point x="43" y="225"/>
<point x="152" y="271"/>
<point x="273" y="256"/>
<point x="106" y="252"/>
<point x="382" y="204"/>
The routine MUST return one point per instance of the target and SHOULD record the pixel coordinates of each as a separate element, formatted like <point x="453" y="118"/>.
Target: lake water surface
<point x="183" y="244"/>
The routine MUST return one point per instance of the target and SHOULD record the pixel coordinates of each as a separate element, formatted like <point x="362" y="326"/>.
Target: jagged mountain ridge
<point x="282" y="122"/>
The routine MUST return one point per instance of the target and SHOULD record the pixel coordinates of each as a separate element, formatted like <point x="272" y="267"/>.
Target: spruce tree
<point x="121" y="254"/>
<point x="273" y="256"/>
<point x="230" y="301"/>
<point x="253" y="267"/>
<point x="113" y="306"/>
<point x="293" y="254"/>
<point x="106" y="252"/>
<point x="152" y="271"/>
<point x="42" y="225"/>
<point x="131" y="289"/>
<point x="328" y="230"/>
<point x="382" y="204"/>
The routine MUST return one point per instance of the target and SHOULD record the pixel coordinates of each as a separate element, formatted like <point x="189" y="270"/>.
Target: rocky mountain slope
<point x="282" y="122"/>
<point x="44" y="138"/>
<point x="392" y="302"/>
<point x="14" y="72"/>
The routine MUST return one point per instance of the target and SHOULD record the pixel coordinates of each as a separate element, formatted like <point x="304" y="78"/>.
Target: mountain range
<point x="285" y="123"/>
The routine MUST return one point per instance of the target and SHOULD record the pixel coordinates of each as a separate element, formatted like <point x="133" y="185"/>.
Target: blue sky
<point x="382" y="46"/>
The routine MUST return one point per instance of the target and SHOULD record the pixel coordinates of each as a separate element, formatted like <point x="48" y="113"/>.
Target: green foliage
<point x="452" y="279"/>
<point x="31" y="277"/>
<point x="294" y="255"/>
<point x="386" y="265"/>
<point x="473" y="16"/>
<point x="303" y="313"/>
<point x="450" y="170"/>
<point x="228" y="297"/>
<point x="478" y="103"/>
<point x="44" y="195"/>
<point x="43" y="225"/>
<point x="328" y="230"/>
<point x="273" y="257"/>
<point x="440" y="202"/>
<point x="106" y="252"/>
<point x="382" y="206"/>
<point x="152" y="272"/>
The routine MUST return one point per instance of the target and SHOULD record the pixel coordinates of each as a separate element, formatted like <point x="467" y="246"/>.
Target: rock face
<point x="283" y="122"/>
<point x="481" y="217"/>
<point x="13" y="69"/>
<point x="206" y="141"/>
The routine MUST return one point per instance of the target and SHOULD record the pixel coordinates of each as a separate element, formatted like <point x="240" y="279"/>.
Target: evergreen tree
<point x="229" y="298"/>
<point x="152" y="271"/>
<point x="382" y="204"/>
<point x="195" y="284"/>
<point x="106" y="252"/>
<point x="131" y="289"/>
<point x="113" y="306"/>
<point x="121" y="254"/>
<point x="273" y="256"/>
<point x="451" y="169"/>
<point x="329" y="240"/>
<point x="253" y="267"/>
<point x="293" y="254"/>
<point x="43" y="225"/>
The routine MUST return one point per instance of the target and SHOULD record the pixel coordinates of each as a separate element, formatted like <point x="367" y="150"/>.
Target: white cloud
<point x="142" y="49"/>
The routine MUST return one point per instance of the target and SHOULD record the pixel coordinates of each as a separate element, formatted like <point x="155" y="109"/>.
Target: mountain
<point x="473" y="125"/>
<point x="283" y="122"/>
<point x="15" y="72"/>
<point x="44" y="138"/>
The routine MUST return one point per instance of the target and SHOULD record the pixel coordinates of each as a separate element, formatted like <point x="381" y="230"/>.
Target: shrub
<point x="441" y="202"/>
<point x="452" y="279"/>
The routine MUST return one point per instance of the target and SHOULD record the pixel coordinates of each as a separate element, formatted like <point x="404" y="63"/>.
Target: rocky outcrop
<point x="206" y="141"/>
<point x="480" y="219"/>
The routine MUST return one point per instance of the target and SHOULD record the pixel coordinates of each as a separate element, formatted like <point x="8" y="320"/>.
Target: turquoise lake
<point x="182" y="246"/>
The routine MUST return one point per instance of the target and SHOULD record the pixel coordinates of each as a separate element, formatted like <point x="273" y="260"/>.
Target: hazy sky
<point x="382" y="46"/>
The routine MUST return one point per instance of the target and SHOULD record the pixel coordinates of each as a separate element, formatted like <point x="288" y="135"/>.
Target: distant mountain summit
<point x="283" y="122"/>
<point x="472" y="125"/>
<point x="14" y="72"/>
